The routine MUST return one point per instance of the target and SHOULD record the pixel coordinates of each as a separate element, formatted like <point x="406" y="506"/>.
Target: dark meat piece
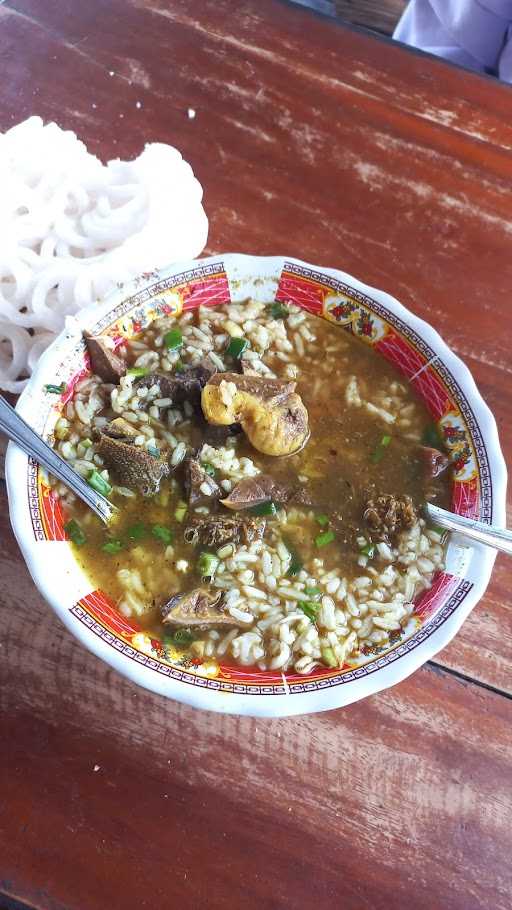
<point x="434" y="462"/>
<point x="217" y="436"/>
<point x="200" y="609"/>
<point x="271" y="391"/>
<point x="104" y="362"/>
<point x="215" y="530"/>
<point x="195" y="478"/>
<point x="387" y="515"/>
<point x="132" y="465"/>
<point x="252" y="491"/>
<point x="180" y="387"/>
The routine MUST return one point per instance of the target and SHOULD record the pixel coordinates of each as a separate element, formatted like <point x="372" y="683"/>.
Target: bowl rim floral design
<point x="423" y="358"/>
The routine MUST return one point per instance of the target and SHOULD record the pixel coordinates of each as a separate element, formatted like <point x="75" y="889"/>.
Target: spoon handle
<point x="27" y="439"/>
<point x="499" y="538"/>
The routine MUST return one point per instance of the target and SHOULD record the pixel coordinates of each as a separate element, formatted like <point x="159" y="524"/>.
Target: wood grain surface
<point x="316" y="141"/>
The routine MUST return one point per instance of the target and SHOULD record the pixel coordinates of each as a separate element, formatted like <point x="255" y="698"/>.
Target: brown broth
<point x="338" y="465"/>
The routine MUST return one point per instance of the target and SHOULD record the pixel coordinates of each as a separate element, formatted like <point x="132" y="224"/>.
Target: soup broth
<point x="325" y="564"/>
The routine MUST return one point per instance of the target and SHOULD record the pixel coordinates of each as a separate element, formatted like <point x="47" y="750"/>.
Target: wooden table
<point x="317" y="141"/>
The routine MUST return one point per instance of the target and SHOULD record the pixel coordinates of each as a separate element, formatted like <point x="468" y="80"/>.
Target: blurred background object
<point x="379" y="15"/>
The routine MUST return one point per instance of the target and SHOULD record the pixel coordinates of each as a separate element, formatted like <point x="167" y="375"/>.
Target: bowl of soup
<point x="269" y="432"/>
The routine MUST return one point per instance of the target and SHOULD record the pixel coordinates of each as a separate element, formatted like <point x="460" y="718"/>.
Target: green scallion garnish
<point x="368" y="550"/>
<point x="208" y="468"/>
<point x="309" y="608"/>
<point x="322" y="520"/>
<point x="321" y="540"/>
<point x="180" y="637"/>
<point x="278" y="310"/>
<point x="313" y="592"/>
<point x="138" y="371"/>
<point x="329" y="657"/>
<point x="56" y="389"/>
<point x="207" y="564"/>
<point x="152" y="450"/>
<point x="98" y="483"/>
<point x="264" y="508"/>
<point x="112" y="547"/>
<point x="296" y="563"/>
<point x="236" y="347"/>
<point x="380" y="450"/>
<point x="173" y="339"/>
<point x="181" y="511"/>
<point x="432" y="437"/>
<point x="136" y="532"/>
<point x="75" y="533"/>
<point x="165" y="535"/>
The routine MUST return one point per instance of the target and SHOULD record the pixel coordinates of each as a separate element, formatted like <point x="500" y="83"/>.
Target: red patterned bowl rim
<point x="418" y="352"/>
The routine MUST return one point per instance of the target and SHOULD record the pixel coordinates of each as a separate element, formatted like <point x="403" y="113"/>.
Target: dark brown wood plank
<point x="381" y="15"/>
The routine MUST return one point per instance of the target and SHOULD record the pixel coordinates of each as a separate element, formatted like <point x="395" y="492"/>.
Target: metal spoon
<point x="498" y="538"/>
<point x="24" y="436"/>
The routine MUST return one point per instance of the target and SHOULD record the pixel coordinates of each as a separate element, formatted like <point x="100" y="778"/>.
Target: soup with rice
<point x="269" y="472"/>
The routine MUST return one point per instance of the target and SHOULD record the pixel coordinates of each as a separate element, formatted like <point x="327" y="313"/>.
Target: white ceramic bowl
<point x="423" y="359"/>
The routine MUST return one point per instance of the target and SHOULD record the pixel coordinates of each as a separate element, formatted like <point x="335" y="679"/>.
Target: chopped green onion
<point x="180" y="637"/>
<point x="278" y="310"/>
<point x="380" y="450"/>
<point x="207" y="564"/>
<point x="165" y="535"/>
<point x="112" y="547"/>
<point x="173" y="339"/>
<point x="309" y="608"/>
<point x="236" y="347"/>
<point x="432" y="437"/>
<point x="296" y="563"/>
<point x="206" y="466"/>
<point x="98" y="483"/>
<point x="138" y="371"/>
<point x="179" y="367"/>
<point x="75" y="533"/>
<point x="368" y="550"/>
<point x="322" y="520"/>
<point x="323" y="539"/>
<point x="136" y="532"/>
<point x="152" y="450"/>
<point x="56" y="389"/>
<point x="437" y="529"/>
<point x="264" y="508"/>
<point x="312" y="592"/>
<point x="328" y="657"/>
<point x="181" y="511"/>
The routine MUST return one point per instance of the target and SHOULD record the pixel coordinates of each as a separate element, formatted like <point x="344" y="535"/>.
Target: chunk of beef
<point x="185" y="385"/>
<point x="132" y="465"/>
<point x="434" y="462"/>
<point x="252" y="491"/>
<point x="217" y="436"/>
<point x="217" y="530"/>
<point x="387" y="515"/>
<point x="199" y="486"/>
<point x="104" y="362"/>
<point x="199" y="610"/>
